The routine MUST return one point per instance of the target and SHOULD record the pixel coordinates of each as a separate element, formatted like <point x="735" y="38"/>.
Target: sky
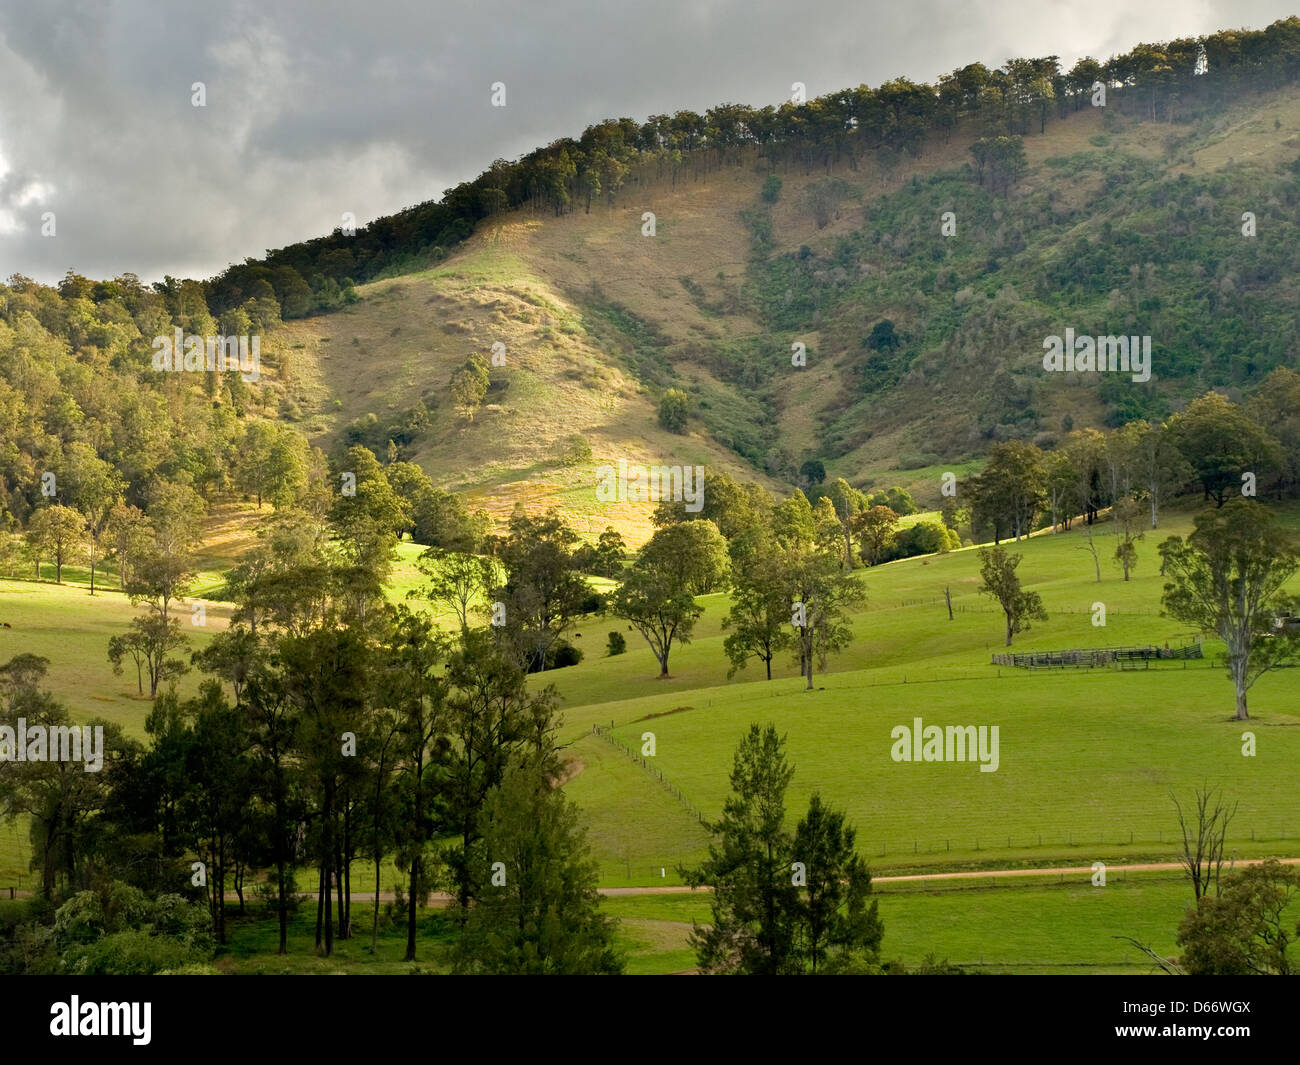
<point x="314" y="108"/>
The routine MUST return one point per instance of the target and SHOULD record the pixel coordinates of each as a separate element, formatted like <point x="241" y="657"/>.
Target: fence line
<point x="637" y="759"/>
<point x="1001" y="841"/>
<point x="991" y="842"/>
<point x="972" y="608"/>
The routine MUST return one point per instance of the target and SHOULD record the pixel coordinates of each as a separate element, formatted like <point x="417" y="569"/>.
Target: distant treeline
<point x="1172" y="81"/>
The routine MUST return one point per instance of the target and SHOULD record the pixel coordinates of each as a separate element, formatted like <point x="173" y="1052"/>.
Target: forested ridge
<point x="611" y="158"/>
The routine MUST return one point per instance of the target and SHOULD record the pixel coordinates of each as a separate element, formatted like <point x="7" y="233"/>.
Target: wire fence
<point x="639" y="759"/>
<point x="979" y="608"/>
<point x="976" y="843"/>
<point x="1054" y="841"/>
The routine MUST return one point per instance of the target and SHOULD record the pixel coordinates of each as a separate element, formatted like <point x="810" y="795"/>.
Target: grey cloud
<point x="319" y="108"/>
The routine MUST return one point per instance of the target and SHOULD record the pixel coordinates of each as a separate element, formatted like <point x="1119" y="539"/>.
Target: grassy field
<point x="978" y="926"/>
<point x="1087" y="759"/>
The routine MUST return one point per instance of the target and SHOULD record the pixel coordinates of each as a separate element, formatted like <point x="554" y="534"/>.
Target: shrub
<point x="131" y="953"/>
<point x="617" y="645"/>
<point x="573" y="450"/>
<point x="120" y="931"/>
<point x="923" y="538"/>
<point x="564" y="654"/>
<point x="673" y="409"/>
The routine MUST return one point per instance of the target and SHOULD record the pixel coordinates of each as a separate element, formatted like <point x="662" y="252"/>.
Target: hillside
<point x="1117" y="225"/>
<point x="399" y="346"/>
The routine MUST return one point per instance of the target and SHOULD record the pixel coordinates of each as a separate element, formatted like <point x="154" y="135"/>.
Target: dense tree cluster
<point x="335" y="727"/>
<point x="1214" y="447"/>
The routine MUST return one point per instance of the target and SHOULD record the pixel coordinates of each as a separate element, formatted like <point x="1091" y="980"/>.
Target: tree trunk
<point x="284" y="927"/>
<point x="338" y="885"/>
<point x="410" y="910"/>
<point x="281" y="880"/>
<point x="374" y="922"/>
<point x="1238" y="668"/>
<point x="219" y="889"/>
<point x="328" y="923"/>
<point x="347" y="893"/>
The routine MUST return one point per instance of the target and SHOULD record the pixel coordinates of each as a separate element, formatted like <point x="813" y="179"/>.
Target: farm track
<point x="442" y="898"/>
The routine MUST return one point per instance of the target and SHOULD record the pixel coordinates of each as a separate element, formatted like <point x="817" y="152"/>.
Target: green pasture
<point x="1087" y="758"/>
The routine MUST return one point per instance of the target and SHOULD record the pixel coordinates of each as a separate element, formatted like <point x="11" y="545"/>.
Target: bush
<point x="617" y="645"/>
<point x="673" y="409"/>
<point x="562" y="654"/>
<point x="923" y="538"/>
<point x="771" y="189"/>
<point x="131" y="953"/>
<point x="120" y="931"/>
<point x="897" y="499"/>
<point x="573" y="450"/>
<point x="79" y="920"/>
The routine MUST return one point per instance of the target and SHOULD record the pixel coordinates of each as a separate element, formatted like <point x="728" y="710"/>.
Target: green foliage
<point x="836" y="932"/>
<point x="537" y="912"/>
<point x="813" y="471"/>
<point x="605" y="557"/>
<point x="876" y="529"/>
<point x="573" y="450"/>
<point x="469" y="385"/>
<point x="617" y="644"/>
<point x="1246" y="930"/>
<point x="1000" y="582"/>
<point x="922" y="538"/>
<point x="121" y="932"/>
<point x="771" y="191"/>
<point x="897" y="499"/>
<point x="657" y="594"/>
<point x="782" y="903"/>
<point x="1220" y="442"/>
<point x="749" y="867"/>
<point x="542" y="592"/>
<point x="1000" y="160"/>
<point x="822" y="199"/>
<point x="1227" y="578"/>
<point x="674" y="407"/>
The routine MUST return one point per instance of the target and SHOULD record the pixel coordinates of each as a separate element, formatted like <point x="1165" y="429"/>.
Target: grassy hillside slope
<point x="1118" y="225"/>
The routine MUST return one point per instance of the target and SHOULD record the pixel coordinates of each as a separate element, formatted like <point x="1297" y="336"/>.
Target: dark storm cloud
<point x="315" y="108"/>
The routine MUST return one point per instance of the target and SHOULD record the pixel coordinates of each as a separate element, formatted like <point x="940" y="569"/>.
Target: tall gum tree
<point x="1227" y="578"/>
